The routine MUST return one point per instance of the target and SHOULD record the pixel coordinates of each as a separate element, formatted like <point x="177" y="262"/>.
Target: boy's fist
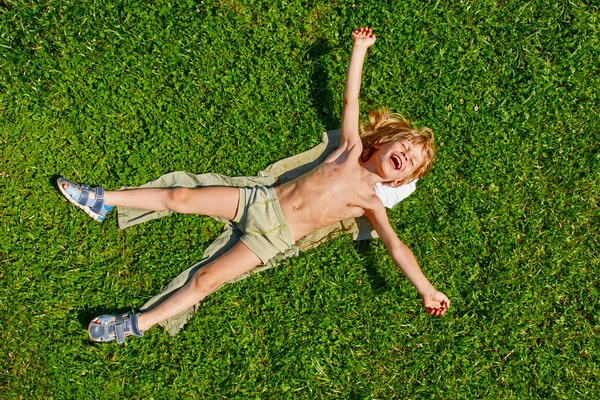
<point x="363" y="36"/>
<point x="436" y="303"/>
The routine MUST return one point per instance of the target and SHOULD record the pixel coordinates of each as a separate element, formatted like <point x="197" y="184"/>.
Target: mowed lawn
<point x="506" y="224"/>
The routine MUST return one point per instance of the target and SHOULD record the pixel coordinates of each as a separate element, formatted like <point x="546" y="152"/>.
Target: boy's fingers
<point x="436" y="311"/>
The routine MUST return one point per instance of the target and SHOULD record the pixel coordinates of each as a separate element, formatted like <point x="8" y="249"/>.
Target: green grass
<point x="506" y="224"/>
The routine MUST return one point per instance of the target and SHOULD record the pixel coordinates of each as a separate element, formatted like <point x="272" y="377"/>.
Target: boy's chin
<point x="390" y="175"/>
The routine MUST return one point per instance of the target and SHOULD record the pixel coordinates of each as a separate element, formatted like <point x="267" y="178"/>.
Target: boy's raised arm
<point x="434" y="301"/>
<point x="362" y="39"/>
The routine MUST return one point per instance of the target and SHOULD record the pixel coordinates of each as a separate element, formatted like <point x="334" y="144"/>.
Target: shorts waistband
<point x="277" y="207"/>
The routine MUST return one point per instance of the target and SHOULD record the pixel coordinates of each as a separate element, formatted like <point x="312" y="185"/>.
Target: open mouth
<point x="396" y="161"/>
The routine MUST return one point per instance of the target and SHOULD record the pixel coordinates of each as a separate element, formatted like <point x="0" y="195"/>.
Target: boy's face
<point x="398" y="159"/>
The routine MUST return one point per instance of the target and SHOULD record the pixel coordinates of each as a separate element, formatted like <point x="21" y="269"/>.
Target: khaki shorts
<point x="260" y="217"/>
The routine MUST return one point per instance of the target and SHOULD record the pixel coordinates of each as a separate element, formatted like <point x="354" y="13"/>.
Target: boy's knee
<point x="177" y="199"/>
<point x="204" y="282"/>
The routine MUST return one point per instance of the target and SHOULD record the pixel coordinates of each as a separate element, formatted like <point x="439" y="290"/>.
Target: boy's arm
<point x="362" y="38"/>
<point x="435" y="302"/>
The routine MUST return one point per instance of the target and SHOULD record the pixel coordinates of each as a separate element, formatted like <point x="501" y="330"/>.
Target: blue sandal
<point x="89" y="199"/>
<point x="106" y="328"/>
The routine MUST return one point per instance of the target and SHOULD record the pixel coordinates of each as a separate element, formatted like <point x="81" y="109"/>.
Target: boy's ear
<point x="376" y="146"/>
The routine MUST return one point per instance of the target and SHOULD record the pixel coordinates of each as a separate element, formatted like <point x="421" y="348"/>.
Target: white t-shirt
<point x="390" y="196"/>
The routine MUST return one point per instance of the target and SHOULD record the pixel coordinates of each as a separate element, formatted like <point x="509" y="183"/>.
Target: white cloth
<point x="390" y="195"/>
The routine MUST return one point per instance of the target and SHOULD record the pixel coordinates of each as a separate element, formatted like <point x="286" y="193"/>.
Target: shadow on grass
<point x="52" y="180"/>
<point x="320" y="93"/>
<point x="376" y="280"/>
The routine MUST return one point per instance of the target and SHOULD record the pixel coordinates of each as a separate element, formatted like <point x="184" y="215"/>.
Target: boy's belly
<point x="308" y="210"/>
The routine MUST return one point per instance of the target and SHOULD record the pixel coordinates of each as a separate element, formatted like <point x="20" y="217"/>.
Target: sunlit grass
<point x="506" y="223"/>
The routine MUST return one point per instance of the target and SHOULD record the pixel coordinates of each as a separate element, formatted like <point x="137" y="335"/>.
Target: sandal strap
<point x="85" y="194"/>
<point x="133" y="325"/>
<point x="106" y="329"/>
<point x="98" y="200"/>
<point x="124" y="325"/>
<point x="99" y="203"/>
<point x="120" y="330"/>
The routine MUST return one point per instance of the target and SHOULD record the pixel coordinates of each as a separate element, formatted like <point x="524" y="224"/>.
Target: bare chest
<point x="342" y="185"/>
<point x="330" y="193"/>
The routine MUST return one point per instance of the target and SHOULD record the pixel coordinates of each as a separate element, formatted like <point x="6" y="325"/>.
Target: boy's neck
<point x="369" y="172"/>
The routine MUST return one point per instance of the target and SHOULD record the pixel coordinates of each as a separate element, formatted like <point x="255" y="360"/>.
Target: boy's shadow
<point x="377" y="281"/>
<point x="320" y="92"/>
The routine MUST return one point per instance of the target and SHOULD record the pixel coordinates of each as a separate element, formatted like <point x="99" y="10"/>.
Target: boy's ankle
<point x="142" y="324"/>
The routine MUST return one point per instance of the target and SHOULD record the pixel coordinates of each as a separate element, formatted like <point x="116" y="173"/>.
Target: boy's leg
<point x="233" y="263"/>
<point x="215" y="201"/>
<point x="128" y="216"/>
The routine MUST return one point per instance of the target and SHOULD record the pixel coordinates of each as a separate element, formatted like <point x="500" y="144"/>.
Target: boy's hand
<point x="436" y="303"/>
<point x="363" y="37"/>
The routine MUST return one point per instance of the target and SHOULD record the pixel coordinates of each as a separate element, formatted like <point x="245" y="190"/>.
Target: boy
<point x="274" y="219"/>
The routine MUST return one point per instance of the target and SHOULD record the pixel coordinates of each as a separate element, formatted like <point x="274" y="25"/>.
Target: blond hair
<point x="385" y="126"/>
